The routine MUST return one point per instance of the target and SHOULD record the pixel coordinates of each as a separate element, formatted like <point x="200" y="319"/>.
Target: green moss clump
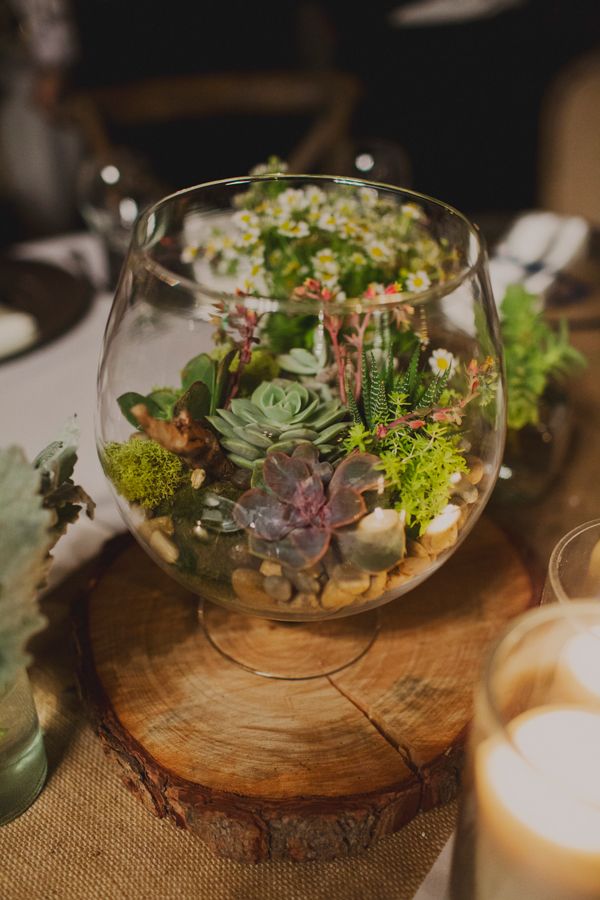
<point x="143" y="472"/>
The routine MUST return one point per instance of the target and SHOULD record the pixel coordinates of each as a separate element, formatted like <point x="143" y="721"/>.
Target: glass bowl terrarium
<point x="301" y="406"/>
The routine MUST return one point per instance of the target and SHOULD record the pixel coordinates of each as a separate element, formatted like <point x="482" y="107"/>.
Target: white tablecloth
<point x="39" y="391"/>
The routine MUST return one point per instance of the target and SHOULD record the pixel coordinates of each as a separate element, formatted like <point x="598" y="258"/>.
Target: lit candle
<point x="538" y="799"/>
<point x="381" y="522"/>
<point x="577" y="678"/>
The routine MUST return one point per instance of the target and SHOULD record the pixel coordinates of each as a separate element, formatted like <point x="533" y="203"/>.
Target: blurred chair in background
<point x="570" y="142"/>
<point x="327" y="100"/>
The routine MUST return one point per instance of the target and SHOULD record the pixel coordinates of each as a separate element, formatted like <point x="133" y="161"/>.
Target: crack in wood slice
<point x="266" y="769"/>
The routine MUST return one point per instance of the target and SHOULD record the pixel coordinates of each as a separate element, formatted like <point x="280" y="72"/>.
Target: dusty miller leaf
<point x="25" y="541"/>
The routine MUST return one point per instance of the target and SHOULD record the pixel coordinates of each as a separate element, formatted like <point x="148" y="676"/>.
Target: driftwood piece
<point x="275" y="769"/>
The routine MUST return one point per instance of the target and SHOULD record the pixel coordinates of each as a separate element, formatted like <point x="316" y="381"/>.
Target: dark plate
<point x="54" y="297"/>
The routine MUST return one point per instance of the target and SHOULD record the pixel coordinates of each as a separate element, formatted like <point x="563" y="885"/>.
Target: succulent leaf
<point x="345" y="507"/>
<point x="358" y="471"/>
<point x="263" y="515"/>
<point x="282" y="474"/>
<point x="277" y="417"/>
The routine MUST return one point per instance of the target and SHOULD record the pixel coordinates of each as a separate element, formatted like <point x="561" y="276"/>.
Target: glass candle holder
<point x="23" y="763"/>
<point x="574" y="568"/>
<point x="530" y="817"/>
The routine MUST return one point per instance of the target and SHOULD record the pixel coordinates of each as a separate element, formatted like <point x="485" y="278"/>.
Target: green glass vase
<point x="23" y="764"/>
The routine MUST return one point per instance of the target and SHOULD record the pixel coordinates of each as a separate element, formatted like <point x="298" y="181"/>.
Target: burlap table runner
<point x="86" y="837"/>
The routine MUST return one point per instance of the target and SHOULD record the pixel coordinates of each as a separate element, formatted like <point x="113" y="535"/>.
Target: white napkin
<point x="18" y="330"/>
<point x="536" y="248"/>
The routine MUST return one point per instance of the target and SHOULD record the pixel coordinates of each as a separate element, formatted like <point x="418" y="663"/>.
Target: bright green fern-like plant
<point x="535" y="356"/>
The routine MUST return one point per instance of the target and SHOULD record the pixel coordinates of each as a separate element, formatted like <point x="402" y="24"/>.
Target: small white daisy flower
<point x="248" y="238"/>
<point x="189" y="253"/>
<point x="291" y="229"/>
<point x="418" y="281"/>
<point x="325" y="261"/>
<point x="292" y="199"/>
<point x="314" y="196"/>
<point x="378" y="251"/>
<point x="328" y="221"/>
<point x="246" y="220"/>
<point x="358" y="259"/>
<point x="442" y="361"/>
<point x="349" y="229"/>
<point x="412" y="211"/>
<point x="368" y="197"/>
<point x="329" y="280"/>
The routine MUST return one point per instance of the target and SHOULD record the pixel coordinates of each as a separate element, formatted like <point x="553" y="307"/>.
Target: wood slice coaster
<point x="262" y="768"/>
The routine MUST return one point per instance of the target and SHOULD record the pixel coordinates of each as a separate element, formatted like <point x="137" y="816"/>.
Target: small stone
<point x="476" y="469"/>
<point x="303" y="581"/>
<point x="158" y="523"/>
<point x="305" y="601"/>
<point x="396" y="580"/>
<point x="198" y="477"/>
<point x="334" y="596"/>
<point x="414" y="565"/>
<point x="442" y="532"/>
<point x="416" y="548"/>
<point x="278" y="587"/>
<point x="248" y="584"/>
<point x="200" y="532"/>
<point x="165" y="548"/>
<point x="352" y="580"/>
<point x="268" y="567"/>
<point x="377" y="586"/>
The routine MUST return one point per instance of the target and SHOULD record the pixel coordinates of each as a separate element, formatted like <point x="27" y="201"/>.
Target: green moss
<point x="143" y="472"/>
<point x="262" y="367"/>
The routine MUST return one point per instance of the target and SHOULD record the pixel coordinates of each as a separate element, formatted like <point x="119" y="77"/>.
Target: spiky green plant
<point x="277" y="417"/>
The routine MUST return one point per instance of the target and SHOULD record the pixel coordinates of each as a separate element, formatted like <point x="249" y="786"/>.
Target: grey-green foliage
<point x="37" y="501"/>
<point x="277" y="417"/>
<point x="26" y="530"/>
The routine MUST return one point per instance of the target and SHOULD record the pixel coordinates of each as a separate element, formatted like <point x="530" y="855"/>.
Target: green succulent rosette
<point x="277" y="417"/>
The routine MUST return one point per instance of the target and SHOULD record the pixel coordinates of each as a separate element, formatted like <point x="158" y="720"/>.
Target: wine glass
<point x="574" y="567"/>
<point x="301" y="401"/>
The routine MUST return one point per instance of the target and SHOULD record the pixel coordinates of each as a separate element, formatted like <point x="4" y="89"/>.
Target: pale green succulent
<point x="278" y="416"/>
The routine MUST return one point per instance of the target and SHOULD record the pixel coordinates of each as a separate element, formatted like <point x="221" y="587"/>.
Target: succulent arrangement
<point x="318" y="456"/>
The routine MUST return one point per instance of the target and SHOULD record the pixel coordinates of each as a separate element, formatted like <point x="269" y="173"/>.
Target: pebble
<point x="240" y="556"/>
<point x="304" y="582"/>
<point x="159" y="523"/>
<point x="164" y="547"/>
<point x="416" y="548"/>
<point x="442" y="532"/>
<point x="334" y="596"/>
<point x="475" y="473"/>
<point x="268" y="567"/>
<point x="414" y="565"/>
<point x="305" y="601"/>
<point x="248" y="585"/>
<point x="377" y="586"/>
<point x="351" y="579"/>
<point x="198" y="477"/>
<point x="278" y="587"/>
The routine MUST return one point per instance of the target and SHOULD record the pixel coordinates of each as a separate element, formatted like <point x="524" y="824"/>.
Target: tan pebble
<point x="268" y="567"/>
<point x="416" y="548"/>
<point x="377" y="586"/>
<point x="198" y="477"/>
<point x="351" y="579"/>
<point x="165" y="548"/>
<point x="334" y="596"/>
<point x="248" y="584"/>
<point x="396" y="580"/>
<point x="442" y="532"/>
<point x="414" y="565"/>
<point x="159" y="523"/>
<point x="305" y="601"/>
<point x="476" y="470"/>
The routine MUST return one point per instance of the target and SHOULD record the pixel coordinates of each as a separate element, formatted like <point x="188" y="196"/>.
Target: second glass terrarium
<point x="301" y="395"/>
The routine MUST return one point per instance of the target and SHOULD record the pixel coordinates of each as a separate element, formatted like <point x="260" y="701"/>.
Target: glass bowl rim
<point x="529" y="620"/>
<point x="141" y="249"/>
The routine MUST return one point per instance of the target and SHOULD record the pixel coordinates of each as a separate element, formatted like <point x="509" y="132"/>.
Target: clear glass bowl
<point x="301" y="402"/>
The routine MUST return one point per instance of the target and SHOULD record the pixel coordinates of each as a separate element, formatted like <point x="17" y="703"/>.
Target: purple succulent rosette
<point x="305" y="501"/>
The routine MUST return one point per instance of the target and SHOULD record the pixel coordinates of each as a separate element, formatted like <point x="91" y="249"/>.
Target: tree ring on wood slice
<point x="299" y="769"/>
<point x="289" y="650"/>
